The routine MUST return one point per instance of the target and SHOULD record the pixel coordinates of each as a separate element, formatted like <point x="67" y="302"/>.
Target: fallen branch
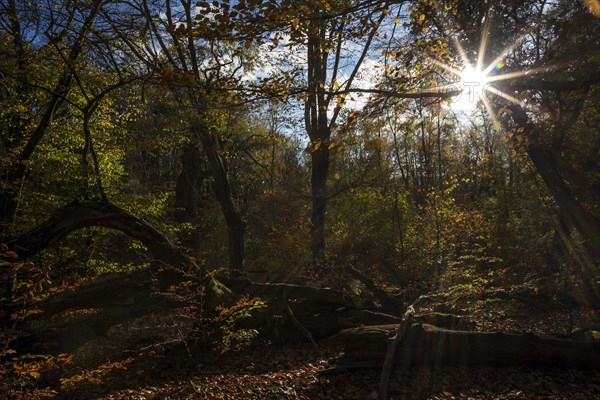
<point x="391" y="351"/>
<point x="85" y="213"/>
<point x="305" y="332"/>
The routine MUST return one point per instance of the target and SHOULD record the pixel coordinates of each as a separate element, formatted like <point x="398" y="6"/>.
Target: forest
<point x="300" y="199"/>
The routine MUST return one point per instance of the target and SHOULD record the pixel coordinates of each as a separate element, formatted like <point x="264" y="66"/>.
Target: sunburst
<point x="476" y="82"/>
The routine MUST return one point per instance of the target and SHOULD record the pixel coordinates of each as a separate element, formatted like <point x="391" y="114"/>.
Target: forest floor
<point x="273" y="372"/>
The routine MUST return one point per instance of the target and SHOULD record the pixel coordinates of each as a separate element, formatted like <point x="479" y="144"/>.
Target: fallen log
<point x="85" y="213"/>
<point x="71" y="318"/>
<point x="85" y="313"/>
<point x="311" y="294"/>
<point x="76" y="316"/>
<point x="427" y="345"/>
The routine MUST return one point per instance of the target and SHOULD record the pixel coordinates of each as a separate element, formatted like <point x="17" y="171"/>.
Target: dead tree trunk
<point x="114" y="299"/>
<point x="426" y="345"/>
<point x="82" y="214"/>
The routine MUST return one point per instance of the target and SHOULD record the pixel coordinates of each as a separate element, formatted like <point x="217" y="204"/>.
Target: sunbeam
<point x="475" y="81"/>
<point x="483" y="44"/>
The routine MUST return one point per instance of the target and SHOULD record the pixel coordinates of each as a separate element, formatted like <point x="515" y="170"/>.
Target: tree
<point x="195" y="68"/>
<point x="22" y="145"/>
<point x="548" y="83"/>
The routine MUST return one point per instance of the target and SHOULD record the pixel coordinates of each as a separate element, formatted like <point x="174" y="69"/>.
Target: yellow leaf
<point x="397" y="21"/>
<point x="421" y="18"/>
<point x="35" y="374"/>
<point x="295" y="22"/>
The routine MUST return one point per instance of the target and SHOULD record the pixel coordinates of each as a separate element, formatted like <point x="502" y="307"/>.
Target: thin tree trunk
<point x="573" y="213"/>
<point x="233" y="219"/>
<point x="319" y="173"/>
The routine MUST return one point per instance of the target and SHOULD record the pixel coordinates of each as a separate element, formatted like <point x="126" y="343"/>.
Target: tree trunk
<point x="112" y="299"/>
<point x="233" y="219"/>
<point x="189" y="195"/>
<point x="317" y="128"/>
<point x="426" y="345"/>
<point x="81" y="214"/>
<point x="389" y="303"/>
<point x="573" y="213"/>
<point x="189" y="187"/>
<point x="319" y="174"/>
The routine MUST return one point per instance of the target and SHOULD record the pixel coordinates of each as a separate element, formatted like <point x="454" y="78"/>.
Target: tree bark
<point x="189" y="186"/>
<point x="317" y="128"/>
<point x="426" y="345"/>
<point x="319" y="174"/>
<point x="81" y="214"/>
<point x="233" y="219"/>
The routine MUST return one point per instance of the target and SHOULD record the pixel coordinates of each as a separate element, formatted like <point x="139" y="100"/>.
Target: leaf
<point x="10" y="254"/>
<point x="421" y="18"/>
<point x="295" y="23"/>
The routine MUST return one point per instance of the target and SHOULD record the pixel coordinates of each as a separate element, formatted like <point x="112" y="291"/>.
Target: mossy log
<point x="427" y="345"/>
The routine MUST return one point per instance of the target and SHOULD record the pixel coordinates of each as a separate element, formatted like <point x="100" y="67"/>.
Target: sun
<point x="472" y="85"/>
<point x="476" y="82"/>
